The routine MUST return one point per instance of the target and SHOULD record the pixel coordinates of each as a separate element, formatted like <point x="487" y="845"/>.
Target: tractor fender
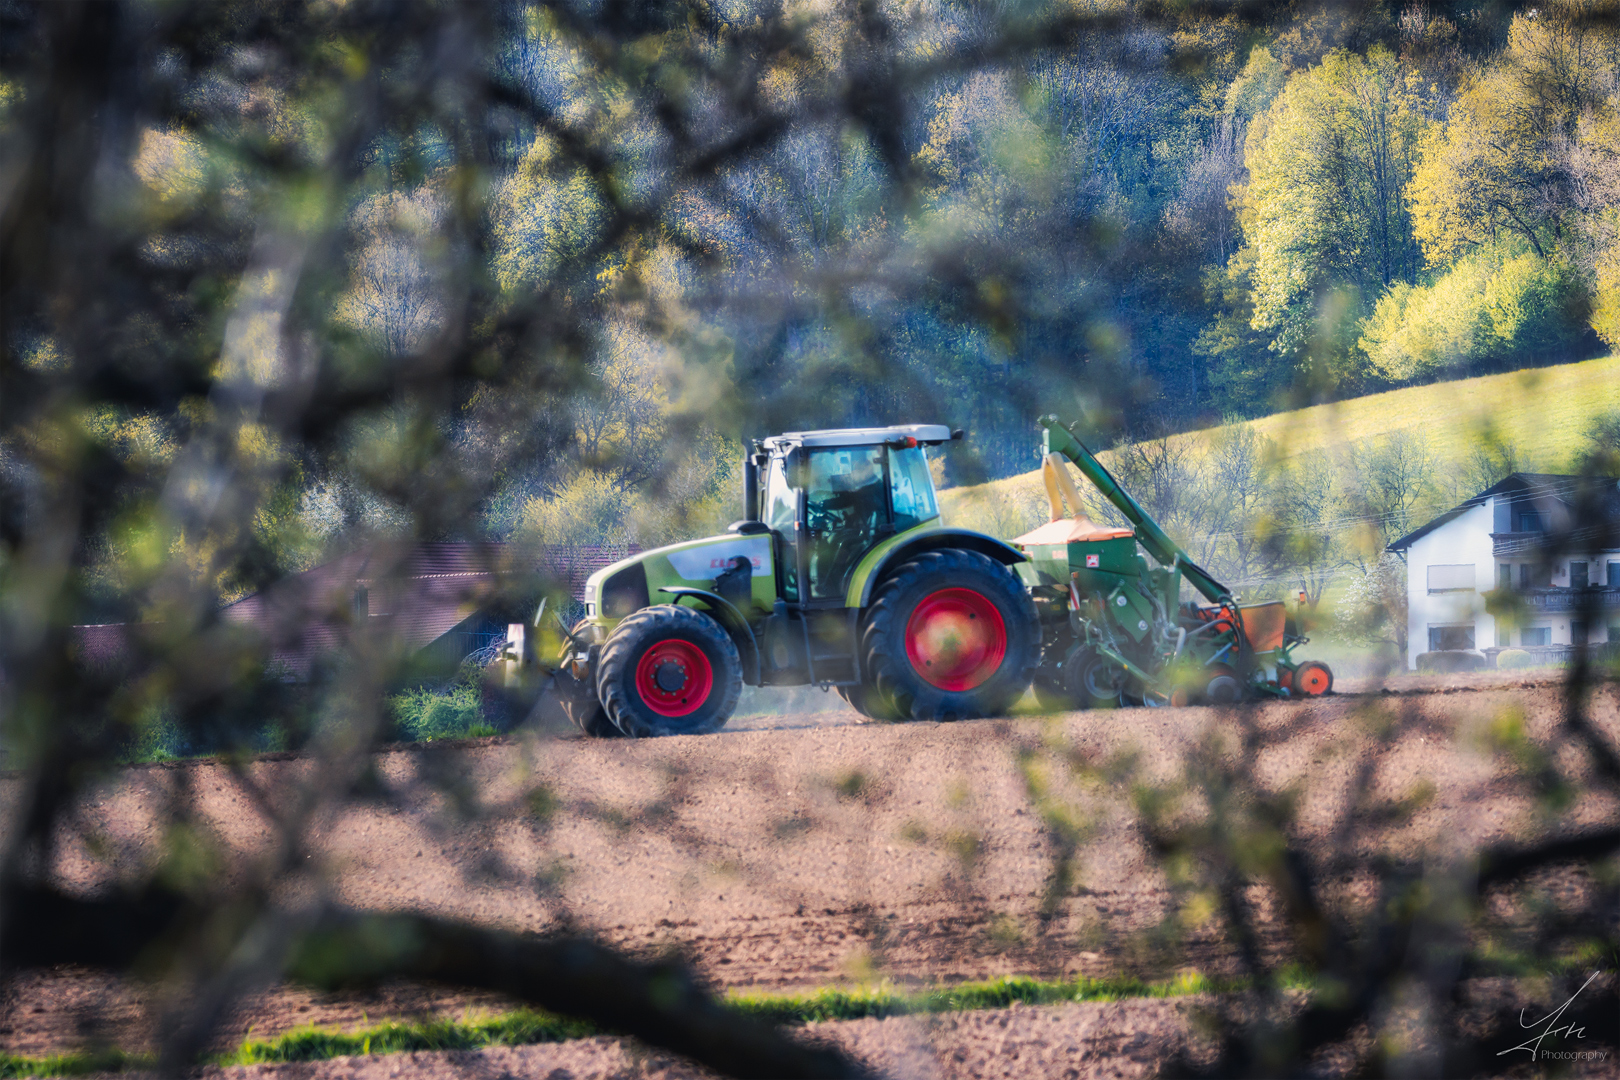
<point x="885" y="557"/>
<point x="726" y="614"/>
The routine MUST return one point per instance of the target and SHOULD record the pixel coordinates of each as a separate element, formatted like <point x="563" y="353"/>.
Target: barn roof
<point x="409" y="594"/>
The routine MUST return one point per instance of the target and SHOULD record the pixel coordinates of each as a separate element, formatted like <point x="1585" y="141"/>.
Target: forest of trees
<point x="1157" y="220"/>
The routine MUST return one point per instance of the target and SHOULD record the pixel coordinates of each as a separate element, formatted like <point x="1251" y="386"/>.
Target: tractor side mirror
<point x="797" y="468"/>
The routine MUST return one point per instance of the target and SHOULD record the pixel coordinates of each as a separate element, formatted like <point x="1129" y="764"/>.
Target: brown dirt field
<point x="800" y="850"/>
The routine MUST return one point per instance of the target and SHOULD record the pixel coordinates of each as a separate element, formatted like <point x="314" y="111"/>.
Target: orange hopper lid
<point x="1071" y="531"/>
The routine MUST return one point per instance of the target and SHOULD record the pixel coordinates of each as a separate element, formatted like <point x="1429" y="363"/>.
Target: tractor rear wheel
<point x="950" y="635"/>
<point x="669" y="670"/>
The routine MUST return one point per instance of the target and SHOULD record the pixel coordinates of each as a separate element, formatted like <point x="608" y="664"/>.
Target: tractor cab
<point x="831" y="496"/>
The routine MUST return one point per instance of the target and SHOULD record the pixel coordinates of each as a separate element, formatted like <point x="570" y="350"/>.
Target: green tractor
<point x="840" y="575"/>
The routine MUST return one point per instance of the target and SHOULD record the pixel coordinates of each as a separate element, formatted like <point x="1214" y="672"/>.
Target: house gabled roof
<point x="1519" y="487"/>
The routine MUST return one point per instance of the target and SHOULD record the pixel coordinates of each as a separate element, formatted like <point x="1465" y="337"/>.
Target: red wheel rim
<point x="955" y="639"/>
<point x="1313" y="680"/>
<point x="674" y="677"/>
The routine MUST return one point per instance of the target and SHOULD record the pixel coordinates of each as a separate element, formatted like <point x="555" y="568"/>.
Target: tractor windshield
<point x="911" y="488"/>
<point x="845" y="511"/>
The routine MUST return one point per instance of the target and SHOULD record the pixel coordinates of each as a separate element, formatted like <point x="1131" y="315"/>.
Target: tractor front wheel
<point x="865" y="700"/>
<point x="578" y="697"/>
<point x="669" y="670"/>
<point x="950" y="635"/>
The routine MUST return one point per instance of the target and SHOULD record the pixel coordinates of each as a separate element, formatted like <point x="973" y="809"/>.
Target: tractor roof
<point x="923" y="433"/>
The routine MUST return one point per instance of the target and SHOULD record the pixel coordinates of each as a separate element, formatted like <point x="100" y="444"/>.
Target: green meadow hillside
<point x="1542" y="414"/>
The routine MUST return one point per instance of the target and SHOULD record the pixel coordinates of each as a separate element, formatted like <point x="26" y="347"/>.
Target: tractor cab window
<point x="781" y="511"/>
<point x="911" y="488"/>
<point x="846" y="507"/>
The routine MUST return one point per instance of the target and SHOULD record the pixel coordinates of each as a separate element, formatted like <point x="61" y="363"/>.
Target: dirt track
<point x="790" y="856"/>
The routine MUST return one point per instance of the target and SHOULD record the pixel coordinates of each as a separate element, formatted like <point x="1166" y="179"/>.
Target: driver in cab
<point x="845" y="504"/>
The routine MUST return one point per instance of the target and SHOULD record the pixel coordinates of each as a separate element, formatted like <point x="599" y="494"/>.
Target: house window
<point x="1614" y="635"/>
<point x="1614" y="577"/>
<point x="1535" y="635"/>
<point x="1445" y="578"/>
<point x="1450" y="638"/>
<point x="1577" y="575"/>
<point x="1534" y="576"/>
<point x="1504" y="576"/>
<point x="1530" y="521"/>
<point x="1577" y="632"/>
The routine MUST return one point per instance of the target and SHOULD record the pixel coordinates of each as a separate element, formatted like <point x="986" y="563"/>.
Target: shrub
<point x="1446" y="661"/>
<point x="456" y="712"/>
<point x="1514" y="658"/>
<point x="1497" y="304"/>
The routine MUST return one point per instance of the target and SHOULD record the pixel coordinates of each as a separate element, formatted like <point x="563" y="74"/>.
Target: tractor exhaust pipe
<point x="751" y="486"/>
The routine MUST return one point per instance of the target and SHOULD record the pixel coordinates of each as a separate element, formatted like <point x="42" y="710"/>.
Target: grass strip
<point x="523" y="1027"/>
<point x="883" y="1000"/>
<point x="79" y="1063"/>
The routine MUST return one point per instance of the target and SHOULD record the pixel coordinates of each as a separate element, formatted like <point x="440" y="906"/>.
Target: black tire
<point x="895" y="683"/>
<point x="579" y="701"/>
<point x="1094" y="679"/>
<point x="583" y="708"/>
<point x="631" y="693"/>
<point x="1222" y="686"/>
<point x="864" y="700"/>
<point x="1051" y="685"/>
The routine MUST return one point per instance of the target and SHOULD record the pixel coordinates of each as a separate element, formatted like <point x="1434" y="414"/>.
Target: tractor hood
<point x="634" y="583"/>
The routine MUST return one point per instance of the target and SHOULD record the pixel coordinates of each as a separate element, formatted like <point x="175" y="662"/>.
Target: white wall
<point x="1464" y="539"/>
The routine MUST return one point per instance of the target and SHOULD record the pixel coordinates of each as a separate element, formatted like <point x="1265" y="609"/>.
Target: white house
<point x="1513" y="567"/>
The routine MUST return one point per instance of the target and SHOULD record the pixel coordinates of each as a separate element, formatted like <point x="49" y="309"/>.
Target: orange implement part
<point x="1313" y="678"/>
<point x="1070" y="531"/>
<point x="1264" y="624"/>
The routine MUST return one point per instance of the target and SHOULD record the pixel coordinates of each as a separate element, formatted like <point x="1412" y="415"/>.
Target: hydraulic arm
<point x="1166" y="551"/>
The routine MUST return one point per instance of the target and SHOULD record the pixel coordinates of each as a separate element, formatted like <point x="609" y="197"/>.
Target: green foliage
<point x="1257" y="85"/>
<point x="1503" y="303"/>
<point x="883" y="1000"/>
<point x="522" y="1028"/>
<point x="453" y="713"/>
<point x="588" y="509"/>
<point x="1513" y="659"/>
<point x="546" y="214"/>
<point x="157" y="737"/>
<point x="695" y="493"/>
<point x="81" y="1063"/>
<point x="1499" y="165"/>
<point x="1327" y="164"/>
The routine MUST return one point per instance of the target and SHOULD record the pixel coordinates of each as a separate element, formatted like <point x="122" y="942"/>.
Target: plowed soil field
<point x="799" y="851"/>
